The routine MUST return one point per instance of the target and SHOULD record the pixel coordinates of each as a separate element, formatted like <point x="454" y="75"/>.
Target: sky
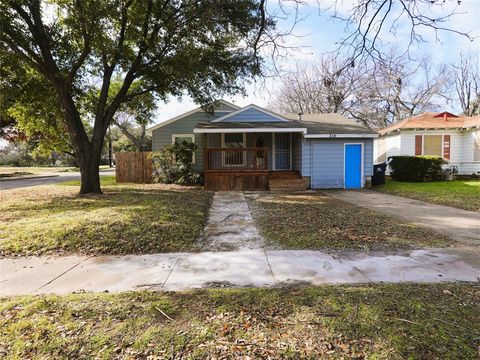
<point x="318" y="33"/>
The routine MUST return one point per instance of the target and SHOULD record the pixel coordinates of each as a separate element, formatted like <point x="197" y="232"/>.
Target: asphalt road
<point x="21" y="183"/>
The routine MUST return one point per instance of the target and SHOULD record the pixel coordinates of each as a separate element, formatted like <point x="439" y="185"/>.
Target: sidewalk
<point x="461" y="225"/>
<point x="257" y="268"/>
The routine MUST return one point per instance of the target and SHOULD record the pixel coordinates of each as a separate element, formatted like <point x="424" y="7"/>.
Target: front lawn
<point x="463" y="194"/>
<point x="318" y="222"/>
<point x="376" y="321"/>
<point x="126" y="219"/>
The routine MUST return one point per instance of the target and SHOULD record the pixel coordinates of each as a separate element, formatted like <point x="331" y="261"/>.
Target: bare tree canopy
<point x="466" y="73"/>
<point x="376" y="94"/>
<point x="370" y="22"/>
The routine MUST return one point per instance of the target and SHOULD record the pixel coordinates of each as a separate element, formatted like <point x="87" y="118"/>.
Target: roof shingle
<point x="430" y="120"/>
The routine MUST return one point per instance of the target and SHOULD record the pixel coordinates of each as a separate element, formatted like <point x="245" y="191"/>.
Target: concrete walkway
<point x="461" y="225"/>
<point x="230" y="226"/>
<point x="180" y="271"/>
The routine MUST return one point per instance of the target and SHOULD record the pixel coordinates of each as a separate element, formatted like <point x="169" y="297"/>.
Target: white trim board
<point x="249" y="130"/>
<point x="198" y="109"/>
<point x="251" y="106"/>
<point x="334" y="136"/>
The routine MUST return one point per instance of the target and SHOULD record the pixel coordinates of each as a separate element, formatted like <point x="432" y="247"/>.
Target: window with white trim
<point x="190" y="138"/>
<point x="432" y="145"/>
<point x="476" y="146"/>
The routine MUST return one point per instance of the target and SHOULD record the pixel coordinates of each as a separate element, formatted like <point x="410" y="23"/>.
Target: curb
<point x="27" y="177"/>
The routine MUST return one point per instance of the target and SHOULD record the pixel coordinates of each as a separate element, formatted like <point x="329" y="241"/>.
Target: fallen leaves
<point x="316" y="221"/>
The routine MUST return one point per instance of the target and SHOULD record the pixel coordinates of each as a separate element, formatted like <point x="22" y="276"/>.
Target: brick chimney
<point x="445" y="116"/>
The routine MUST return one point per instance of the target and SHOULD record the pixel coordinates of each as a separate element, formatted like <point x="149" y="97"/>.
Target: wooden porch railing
<point x="236" y="159"/>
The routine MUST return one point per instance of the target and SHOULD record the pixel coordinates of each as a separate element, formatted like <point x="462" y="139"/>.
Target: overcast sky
<point x="318" y="33"/>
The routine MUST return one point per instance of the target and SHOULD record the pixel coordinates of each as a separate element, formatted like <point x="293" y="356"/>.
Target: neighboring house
<point x="455" y="138"/>
<point x="254" y="148"/>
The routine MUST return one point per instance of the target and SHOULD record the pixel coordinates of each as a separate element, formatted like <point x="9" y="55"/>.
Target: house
<point x="252" y="148"/>
<point x="455" y="138"/>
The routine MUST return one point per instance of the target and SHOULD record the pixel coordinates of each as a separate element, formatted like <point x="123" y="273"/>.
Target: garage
<point x="338" y="163"/>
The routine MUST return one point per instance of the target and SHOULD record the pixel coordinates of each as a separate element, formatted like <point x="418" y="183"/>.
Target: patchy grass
<point x="126" y="219"/>
<point x="316" y="221"/>
<point x="463" y="194"/>
<point x="376" y="321"/>
<point x="105" y="180"/>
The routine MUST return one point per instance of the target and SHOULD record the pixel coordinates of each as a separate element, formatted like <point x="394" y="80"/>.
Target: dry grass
<point x="341" y="322"/>
<point x="317" y="221"/>
<point x="126" y="219"/>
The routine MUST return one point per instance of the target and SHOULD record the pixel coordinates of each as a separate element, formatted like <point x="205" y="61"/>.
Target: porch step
<point x="286" y="181"/>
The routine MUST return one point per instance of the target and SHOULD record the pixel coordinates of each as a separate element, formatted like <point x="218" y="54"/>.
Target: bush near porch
<point x="315" y="221"/>
<point x="462" y="194"/>
<point x="126" y="219"/>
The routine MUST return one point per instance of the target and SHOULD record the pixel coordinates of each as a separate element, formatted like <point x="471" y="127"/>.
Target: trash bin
<point x="379" y="173"/>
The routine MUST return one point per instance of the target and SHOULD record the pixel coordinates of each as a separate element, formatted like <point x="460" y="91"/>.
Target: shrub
<point x="173" y="164"/>
<point x="416" y="168"/>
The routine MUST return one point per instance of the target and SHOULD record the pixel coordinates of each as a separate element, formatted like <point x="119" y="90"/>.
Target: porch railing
<point x="236" y="159"/>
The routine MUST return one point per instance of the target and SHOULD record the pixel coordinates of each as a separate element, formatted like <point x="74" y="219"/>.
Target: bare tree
<point x="376" y="94"/>
<point x="369" y="22"/>
<point x="397" y="88"/>
<point x="324" y="86"/>
<point x="466" y="73"/>
<point x="125" y="122"/>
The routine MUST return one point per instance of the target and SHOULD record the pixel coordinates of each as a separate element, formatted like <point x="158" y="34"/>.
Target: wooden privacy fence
<point x="133" y="167"/>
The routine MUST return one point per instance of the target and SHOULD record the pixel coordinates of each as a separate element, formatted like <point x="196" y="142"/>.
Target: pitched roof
<point x="198" y="109"/>
<point x="331" y="123"/>
<point x="310" y="125"/>
<point x="277" y="117"/>
<point x="430" y="120"/>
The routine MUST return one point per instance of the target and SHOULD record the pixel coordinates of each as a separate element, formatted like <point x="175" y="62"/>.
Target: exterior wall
<point x="252" y="115"/>
<point x="461" y="147"/>
<point x="323" y="161"/>
<point x="297" y="152"/>
<point x="390" y="147"/>
<point x="162" y="136"/>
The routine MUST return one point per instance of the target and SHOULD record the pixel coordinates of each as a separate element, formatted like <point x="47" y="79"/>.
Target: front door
<point x="353" y="166"/>
<point x="282" y="151"/>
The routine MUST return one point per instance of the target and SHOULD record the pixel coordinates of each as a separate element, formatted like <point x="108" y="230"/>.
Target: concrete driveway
<point x="60" y="177"/>
<point x="461" y="225"/>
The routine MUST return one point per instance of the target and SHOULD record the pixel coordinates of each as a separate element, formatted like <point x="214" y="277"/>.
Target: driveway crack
<point x="270" y="267"/>
<point x="63" y="273"/>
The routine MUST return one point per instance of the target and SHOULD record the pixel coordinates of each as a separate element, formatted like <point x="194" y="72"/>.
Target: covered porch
<point x="251" y="158"/>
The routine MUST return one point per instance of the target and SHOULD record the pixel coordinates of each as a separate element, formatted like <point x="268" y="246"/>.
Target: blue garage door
<point x="353" y="166"/>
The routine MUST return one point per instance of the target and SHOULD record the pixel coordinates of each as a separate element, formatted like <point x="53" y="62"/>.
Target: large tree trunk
<point x="89" y="162"/>
<point x="87" y="152"/>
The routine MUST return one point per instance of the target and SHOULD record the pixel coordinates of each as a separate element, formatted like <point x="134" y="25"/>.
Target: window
<point x="476" y="146"/>
<point x="233" y="140"/>
<point x="432" y="145"/>
<point x="184" y="137"/>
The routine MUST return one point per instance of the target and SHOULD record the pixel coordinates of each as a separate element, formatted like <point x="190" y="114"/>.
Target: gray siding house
<point x="254" y="148"/>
